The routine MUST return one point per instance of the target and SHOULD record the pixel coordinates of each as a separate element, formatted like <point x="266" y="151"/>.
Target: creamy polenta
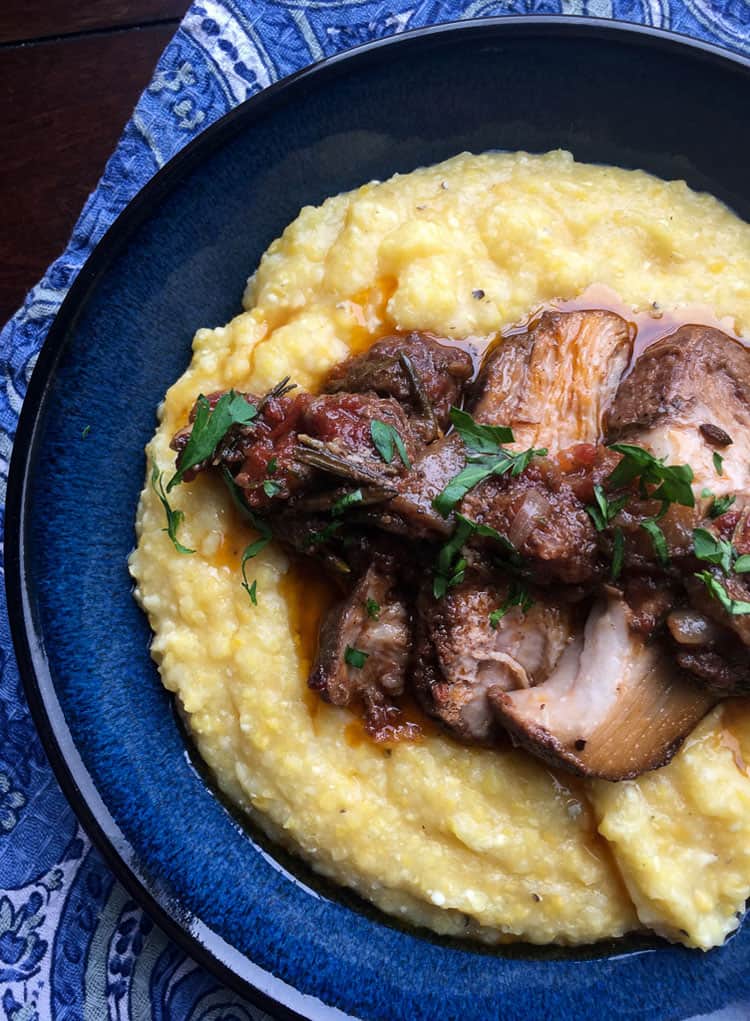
<point x="464" y="840"/>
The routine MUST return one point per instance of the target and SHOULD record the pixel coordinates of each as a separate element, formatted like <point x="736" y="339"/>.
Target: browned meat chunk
<point x="649" y="600"/>
<point x="460" y="658"/>
<point x="411" y="513"/>
<point x="553" y="383"/>
<point x="365" y="642"/>
<point x="300" y="442"/>
<point x="541" y="513"/>
<point x="614" y="706"/>
<point x="687" y="394"/>
<point x="424" y="375"/>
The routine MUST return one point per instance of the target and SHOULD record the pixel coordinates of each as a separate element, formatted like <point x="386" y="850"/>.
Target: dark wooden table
<point x="71" y="72"/>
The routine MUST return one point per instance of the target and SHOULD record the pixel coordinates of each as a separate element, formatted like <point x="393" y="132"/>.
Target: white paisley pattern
<point x="73" y="946"/>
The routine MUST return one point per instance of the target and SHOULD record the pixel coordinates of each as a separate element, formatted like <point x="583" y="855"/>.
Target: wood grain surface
<point x="63" y="105"/>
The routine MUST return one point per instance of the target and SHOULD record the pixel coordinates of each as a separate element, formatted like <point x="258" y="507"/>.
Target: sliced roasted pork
<point x="462" y="653"/>
<point x="553" y="383"/>
<point x="688" y="401"/>
<point x="364" y="646"/>
<point x="688" y="398"/>
<point x="424" y="375"/>
<point x="614" y="707"/>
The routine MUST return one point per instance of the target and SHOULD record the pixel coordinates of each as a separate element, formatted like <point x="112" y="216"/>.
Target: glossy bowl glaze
<point x="177" y="259"/>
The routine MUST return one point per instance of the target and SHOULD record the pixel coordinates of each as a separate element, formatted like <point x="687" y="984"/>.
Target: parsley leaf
<point x="519" y="596"/>
<point x="618" y="552"/>
<point x="210" y="428"/>
<point x="251" y="551"/>
<point x="477" y="470"/>
<point x="737" y="607"/>
<point x="484" y="439"/>
<point x="673" y="481"/>
<point x="742" y="564"/>
<point x="709" y="547"/>
<point x="718" y="463"/>
<point x="316" y="538"/>
<point x="174" y="517"/>
<point x="272" y="465"/>
<point x="346" y="501"/>
<point x="720" y="505"/>
<point x="271" y="488"/>
<point x="373" y="609"/>
<point x="451" y="567"/>
<point x="658" y="540"/>
<point x="604" y="511"/>
<point x="489" y="533"/>
<point x="355" y="657"/>
<point x="386" y="437"/>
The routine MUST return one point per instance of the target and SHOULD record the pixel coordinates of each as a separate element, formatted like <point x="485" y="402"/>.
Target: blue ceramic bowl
<point x="177" y="259"/>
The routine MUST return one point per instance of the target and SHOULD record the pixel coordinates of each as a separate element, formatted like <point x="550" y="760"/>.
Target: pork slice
<point x="460" y="658"/>
<point x="687" y="398"/>
<point x="424" y="375"/>
<point x="364" y="646"/>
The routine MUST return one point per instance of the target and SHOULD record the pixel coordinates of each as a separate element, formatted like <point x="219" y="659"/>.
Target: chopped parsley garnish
<point x="373" y="609"/>
<point x="451" y="566"/>
<point x="484" y="439"/>
<point x="355" y="657"/>
<point x="519" y="596"/>
<point x="490" y="458"/>
<point x="618" y="552"/>
<point x="272" y="465"/>
<point x="657" y="538"/>
<point x="706" y="492"/>
<point x="720" y="505"/>
<point x="673" y="481"/>
<point x="210" y="428"/>
<point x="85" y="431"/>
<point x="736" y="607"/>
<point x="722" y="553"/>
<point x="605" y="510"/>
<point x="710" y="547"/>
<point x="174" y="517"/>
<point x="252" y="551"/>
<point x="271" y="488"/>
<point x="346" y="501"/>
<point x="386" y="438"/>
<point x="316" y="538"/>
<point x="718" y="463"/>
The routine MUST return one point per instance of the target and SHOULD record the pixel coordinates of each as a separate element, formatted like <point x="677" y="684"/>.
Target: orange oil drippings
<point x="369" y="310"/>
<point x="649" y="325"/>
<point x="308" y="594"/>
<point x="355" y="733"/>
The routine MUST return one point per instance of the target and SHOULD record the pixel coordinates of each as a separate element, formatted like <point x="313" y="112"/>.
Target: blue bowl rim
<point x="207" y="947"/>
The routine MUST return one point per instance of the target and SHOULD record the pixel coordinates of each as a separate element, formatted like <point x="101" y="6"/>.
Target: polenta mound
<point x="464" y="840"/>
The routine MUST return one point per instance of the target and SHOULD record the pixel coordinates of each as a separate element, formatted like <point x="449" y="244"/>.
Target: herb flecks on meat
<point x="562" y="564"/>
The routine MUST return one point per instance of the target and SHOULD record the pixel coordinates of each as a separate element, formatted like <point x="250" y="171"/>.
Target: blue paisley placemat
<point x="73" y="945"/>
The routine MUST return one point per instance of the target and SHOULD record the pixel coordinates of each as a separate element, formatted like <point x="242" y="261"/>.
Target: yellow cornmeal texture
<point x="463" y="840"/>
